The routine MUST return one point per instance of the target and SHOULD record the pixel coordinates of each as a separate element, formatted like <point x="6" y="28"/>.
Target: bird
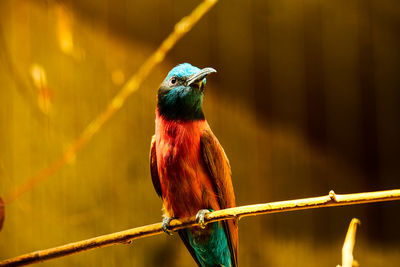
<point x="190" y="170"/>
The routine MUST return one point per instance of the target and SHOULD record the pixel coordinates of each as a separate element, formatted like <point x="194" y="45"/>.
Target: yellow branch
<point x="348" y="246"/>
<point x="140" y="232"/>
<point x="181" y="28"/>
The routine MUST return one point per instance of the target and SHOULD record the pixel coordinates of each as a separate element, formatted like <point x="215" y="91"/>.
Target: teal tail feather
<point x="210" y="245"/>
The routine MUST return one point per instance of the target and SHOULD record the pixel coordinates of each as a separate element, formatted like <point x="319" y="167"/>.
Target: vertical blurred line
<point x="369" y="138"/>
<point x="262" y="79"/>
<point x="314" y="73"/>
<point x="213" y="41"/>
<point x="386" y="43"/>
<point x="116" y="9"/>
<point x="180" y="29"/>
<point x="341" y="67"/>
<point x="235" y="38"/>
<point x="1" y="213"/>
<point x="165" y="18"/>
<point x="368" y="95"/>
<point x="262" y="96"/>
<point x="315" y="95"/>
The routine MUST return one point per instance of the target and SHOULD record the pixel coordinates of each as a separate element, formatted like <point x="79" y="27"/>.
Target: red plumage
<point x="190" y="171"/>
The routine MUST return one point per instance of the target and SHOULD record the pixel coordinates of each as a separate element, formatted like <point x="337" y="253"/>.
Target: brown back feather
<point x="153" y="167"/>
<point x="220" y="171"/>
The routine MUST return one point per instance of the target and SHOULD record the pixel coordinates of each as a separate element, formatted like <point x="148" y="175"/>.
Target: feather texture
<point x="189" y="168"/>
<point x="190" y="171"/>
<point x="220" y="171"/>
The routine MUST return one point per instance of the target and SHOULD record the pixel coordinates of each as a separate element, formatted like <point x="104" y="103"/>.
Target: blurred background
<point x="306" y="99"/>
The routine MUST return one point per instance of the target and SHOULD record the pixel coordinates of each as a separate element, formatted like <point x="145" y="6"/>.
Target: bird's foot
<point x="165" y="225"/>
<point x="200" y="217"/>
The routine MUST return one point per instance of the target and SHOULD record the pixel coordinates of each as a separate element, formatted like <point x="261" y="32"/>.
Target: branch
<point x="181" y="28"/>
<point x="232" y="213"/>
<point x="348" y="246"/>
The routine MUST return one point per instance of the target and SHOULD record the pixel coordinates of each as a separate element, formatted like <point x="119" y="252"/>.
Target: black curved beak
<point x="199" y="76"/>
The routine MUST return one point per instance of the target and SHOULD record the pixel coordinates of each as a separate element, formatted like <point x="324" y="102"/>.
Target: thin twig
<point x="251" y="210"/>
<point x="348" y="246"/>
<point x="181" y="28"/>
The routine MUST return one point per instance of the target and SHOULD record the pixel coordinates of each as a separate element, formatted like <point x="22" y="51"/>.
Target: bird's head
<point x="180" y="96"/>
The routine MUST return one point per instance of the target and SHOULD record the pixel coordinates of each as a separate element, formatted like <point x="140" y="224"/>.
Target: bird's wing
<point x="220" y="171"/>
<point x="153" y="167"/>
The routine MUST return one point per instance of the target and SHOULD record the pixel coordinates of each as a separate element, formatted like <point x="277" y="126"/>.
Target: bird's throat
<point x="175" y="107"/>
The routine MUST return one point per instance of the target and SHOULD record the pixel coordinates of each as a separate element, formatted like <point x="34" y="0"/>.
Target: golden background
<point x="306" y="99"/>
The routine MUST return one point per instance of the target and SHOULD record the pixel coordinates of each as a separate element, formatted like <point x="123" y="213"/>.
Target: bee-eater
<point x="189" y="168"/>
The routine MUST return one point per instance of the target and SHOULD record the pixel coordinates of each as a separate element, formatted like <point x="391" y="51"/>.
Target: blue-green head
<point x="180" y="96"/>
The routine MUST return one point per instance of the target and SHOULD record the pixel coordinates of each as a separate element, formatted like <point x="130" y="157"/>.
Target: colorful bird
<point x="189" y="168"/>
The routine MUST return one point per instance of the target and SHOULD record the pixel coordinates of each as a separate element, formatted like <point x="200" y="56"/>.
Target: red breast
<point x="184" y="179"/>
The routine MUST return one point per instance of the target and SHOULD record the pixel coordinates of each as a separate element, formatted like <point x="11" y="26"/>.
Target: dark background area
<point x="306" y="99"/>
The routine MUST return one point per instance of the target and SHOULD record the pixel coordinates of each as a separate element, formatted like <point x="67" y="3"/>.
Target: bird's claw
<point x="200" y="218"/>
<point x="165" y="225"/>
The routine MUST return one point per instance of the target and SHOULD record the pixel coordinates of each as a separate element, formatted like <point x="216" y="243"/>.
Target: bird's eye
<point x="173" y="81"/>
